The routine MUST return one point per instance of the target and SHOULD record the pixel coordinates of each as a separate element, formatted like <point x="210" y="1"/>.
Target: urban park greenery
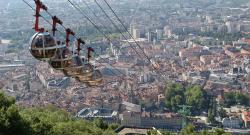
<point x="193" y="96"/>
<point x="190" y="130"/>
<point x="235" y="98"/>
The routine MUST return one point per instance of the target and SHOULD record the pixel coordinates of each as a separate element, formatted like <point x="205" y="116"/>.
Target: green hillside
<point x="44" y="121"/>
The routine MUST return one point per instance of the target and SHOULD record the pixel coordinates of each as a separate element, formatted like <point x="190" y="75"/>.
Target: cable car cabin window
<point x="50" y="53"/>
<point x="77" y="61"/>
<point x="87" y="68"/>
<point x="62" y="56"/>
<point x="96" y="79"/>
<point x="87" y="73"/>
<point x="62" y="53"/>
<point x="84" y="61"/>
<point x="97" y="74"/>
<point x="58" y="54"/>
<point x="60" y="64"/>
<point x="43" y="41"/>
<point x="65" y="53"/>
<point x="37" y="53"/>
<point x="66" y="63"/>
<point x="49" y="41"/>
<point x="37" y="42"/>
<point x="74" y="64"/>
<point x="56" y="64"/>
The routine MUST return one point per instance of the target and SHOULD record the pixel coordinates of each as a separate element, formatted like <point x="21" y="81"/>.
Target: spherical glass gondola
<point x="87" y="73"/>
<point x="43" y="46"/>
<point x="96" y="79"/>
<point x="62" y="58"/>
<point x="75" y="68"/>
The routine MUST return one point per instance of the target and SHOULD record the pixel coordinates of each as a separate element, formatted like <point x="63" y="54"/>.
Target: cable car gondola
<point x="43" y="46"/>
<point x="87" y="72"/>
<point x="75" y="68"/>
<point x="62" y="58"/>
<point x="96" y="79"/>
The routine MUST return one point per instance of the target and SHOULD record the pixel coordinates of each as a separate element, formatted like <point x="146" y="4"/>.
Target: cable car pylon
<point x="42" y="45"/>
<point x="63" y="55"/>
<point x="87" y="71"/>
<point x="96" y="78"/>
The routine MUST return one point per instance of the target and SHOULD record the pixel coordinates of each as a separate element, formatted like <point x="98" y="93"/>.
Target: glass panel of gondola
<point x="38" y="54"/>
<point x="62" y="58"/>
<point x="96" y="79"/>
<point x="49" y="40"/>
<point x="42" y="46"/>
<point x="75" y="68"/>
<point x="87" y="72"/>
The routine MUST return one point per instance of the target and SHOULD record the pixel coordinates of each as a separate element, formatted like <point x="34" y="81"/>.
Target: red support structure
<point x="68" y="33"/>
<point x="89" y="51"/>
<point x="55" y="21"/>
<point x="79" y="42"/>
<point x="39" y="6"/>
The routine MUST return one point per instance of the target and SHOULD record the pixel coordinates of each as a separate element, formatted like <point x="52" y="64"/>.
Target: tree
<point x="44" y="121"/>
<point x="205" y="132"/>
<point x="164" y="132"/>
<point x="175" y="101"/>
<point x="222" y="113"/>
<point x="211" y="115"/>
<point x="212" y="111"/>
<point x="229" y="99"/>
<point x="188" y="130"/>
<point x="195" y="98"/>
<point x="100" y="124"/>
<point x="10" y="120"/>
<point x="235" y="99"/>
<point x="174" y="94"/>
<point x="219" y="131"/>
<point x="151" y="132"/>
<point x="113" y="126"/>
<point x="78" y="127"/>
<point x="241" y="99"/>
<point x="53" y="121"/>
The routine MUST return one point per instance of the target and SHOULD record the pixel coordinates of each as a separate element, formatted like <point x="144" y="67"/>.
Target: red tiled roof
<point x="247" y="40"/>
<point x="246" y="115"/>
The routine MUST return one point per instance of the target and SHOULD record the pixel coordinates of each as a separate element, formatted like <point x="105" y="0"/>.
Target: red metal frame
<point x="79" y="42"/>
<point x="68" y="33"/>
<point x="55" y="21"/>
<point x="39" y="6"/>
<point x="89" y="51"/>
